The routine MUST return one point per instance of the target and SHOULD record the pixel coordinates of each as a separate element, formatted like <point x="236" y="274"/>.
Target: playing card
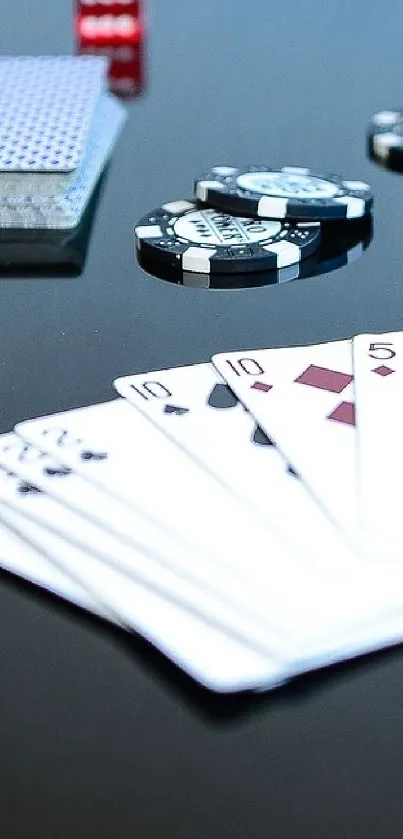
<point x="317" y="613"/>
<point x="35" y="560"/>
<point x="48" y="252"/>
<point x="143" y="470"/>
<point x="185" y="576"/>
<point x="211" y="657"/>
<point x="65" y="209"/>
<point x="23" y="188"/>
<point x="378" y="369"/>
<point x="47" y="105"/>
<point x="195" y="408"/>
<point x="304" y="398"/>
<point x="230" y="564"/>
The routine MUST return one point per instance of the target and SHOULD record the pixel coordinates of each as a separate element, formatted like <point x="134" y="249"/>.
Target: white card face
<point x="317" y="614"/>
<point x="211" y="657"/>
<point x="145" y="472"/>
<point x="46" y="106"/>
<point x="195" y="408"/>
<point x="65" y="209"/>
<point x="378" y="372"/>
<point x="183" y="576"/>
<point x="134" y="447"/>
<point x="34" y="559"/>
<point x="304" y="398"/>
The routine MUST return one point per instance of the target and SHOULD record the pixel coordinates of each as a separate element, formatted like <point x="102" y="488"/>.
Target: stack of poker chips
<point x="116" y="29"/>
<point x="58" y="128"/>
<point x="252" y="219"/>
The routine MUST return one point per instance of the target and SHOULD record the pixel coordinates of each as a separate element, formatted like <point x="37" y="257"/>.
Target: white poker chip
<point x="184" y="235"/>
<point x="292" y="193"/>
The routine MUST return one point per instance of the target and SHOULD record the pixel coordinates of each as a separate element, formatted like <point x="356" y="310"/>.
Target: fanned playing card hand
<point x="225" y="511"/>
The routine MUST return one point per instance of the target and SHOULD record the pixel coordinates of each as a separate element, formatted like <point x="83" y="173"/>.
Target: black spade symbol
<point x="222" y="397"/>
<point x="86" y="455"/>
<point x="260" y="438"/>
<point x="28" y="489"/>
<point x="59" y="471"/>
<point x="175" y="409"/>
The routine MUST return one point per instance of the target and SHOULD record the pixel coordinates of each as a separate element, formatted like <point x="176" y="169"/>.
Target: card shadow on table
<point x="213" y="708"/>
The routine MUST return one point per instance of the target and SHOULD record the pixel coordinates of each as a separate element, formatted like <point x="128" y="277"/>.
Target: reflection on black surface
<point x="342" y="242"/>
<point x="213" y="708"/>
<point x="33" y="253"/>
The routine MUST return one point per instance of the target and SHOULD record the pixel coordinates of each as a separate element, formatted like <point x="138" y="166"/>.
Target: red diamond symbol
<point x="383" y="370"/>
<point x="262" y="386"/>
<point x="324" y="379"/>
<point x="345" y="413"/>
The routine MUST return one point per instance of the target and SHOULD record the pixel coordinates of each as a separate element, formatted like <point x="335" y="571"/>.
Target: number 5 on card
<point x="378" y="370"/>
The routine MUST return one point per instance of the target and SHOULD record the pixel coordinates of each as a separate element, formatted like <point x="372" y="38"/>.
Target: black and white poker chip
<point x="341" y="245"/>
<point x="288" y="193"/>
<point x="385" y="139"/>
<point x="202" y="240"/>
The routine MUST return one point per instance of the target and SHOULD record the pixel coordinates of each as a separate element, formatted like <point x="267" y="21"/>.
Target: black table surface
<point x="99" y="737"/>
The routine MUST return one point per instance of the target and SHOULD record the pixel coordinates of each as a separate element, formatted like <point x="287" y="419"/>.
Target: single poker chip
<point x="339" y="247"/>
<point x="201" y="240"/>
<point x="287" y="193"/>
<point x="385" y="139"/>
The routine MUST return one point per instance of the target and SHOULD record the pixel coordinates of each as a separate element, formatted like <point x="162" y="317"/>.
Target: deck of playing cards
<point x="58" y="128"/>
<point x="238" y="514"/>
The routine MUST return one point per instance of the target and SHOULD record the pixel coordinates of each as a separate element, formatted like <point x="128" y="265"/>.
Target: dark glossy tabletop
<point x="98" y="736"/>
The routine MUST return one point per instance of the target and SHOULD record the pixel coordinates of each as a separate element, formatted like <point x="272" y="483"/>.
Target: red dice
<point x="111" y="7"/>
<point x="114" y="28"/>
<point x="109" y="22"/>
